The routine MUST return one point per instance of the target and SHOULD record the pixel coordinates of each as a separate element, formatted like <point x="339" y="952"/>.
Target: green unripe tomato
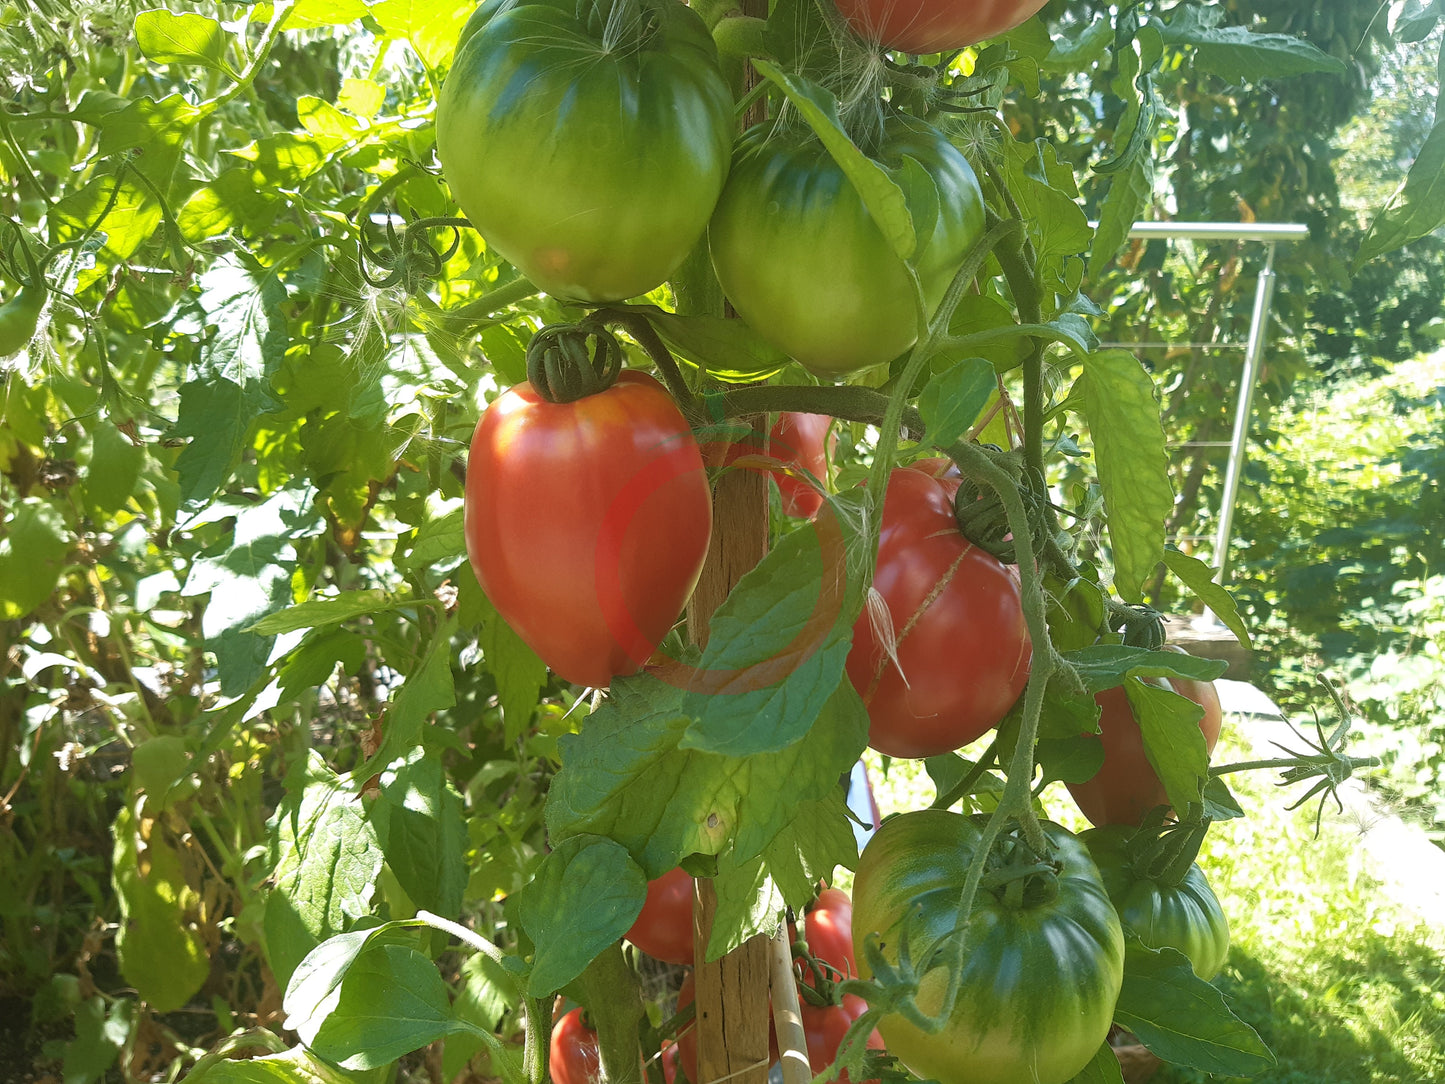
<point x="805" y="264"/>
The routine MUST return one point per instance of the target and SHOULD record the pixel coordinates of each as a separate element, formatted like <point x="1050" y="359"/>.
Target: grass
<point x="1344" y="984"/>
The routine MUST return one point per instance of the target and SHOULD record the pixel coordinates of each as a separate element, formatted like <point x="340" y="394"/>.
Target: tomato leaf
<point x="1238" y="55"/>
<point x="487" y="993"/>
<point x="1122" y="409"/>
<point x="1219" y="803"/>
<point x="160" y="950"/>
<point x="953" y="400"/>
<point x="879" y="192"/>
<point x="584" y="896"/>
<point x="418" y="820"/>
<point x="625" y="776"/>
<point x="325" y="859"/>
<point x="1104" y="666"/>
<point x="1182" y="1018"/>
<point x="32" y="556"/>
<point x="1130" y="190"/>
<point x="1417" y="208"/>
<point x="320" y="612"/>
<point x="294" y="1066"/>
<point x="392" y="1001"/>
<point x="1103" y="1069"/>
<point x="726" y="349"/>
<point x="167" y="38"/>
<point x="1173" y="742"/>
<point x="1199" y="578"/>
<point x="775" y="650"/>
<point x="1068" y="760"/>
<point x="515" y="667"/>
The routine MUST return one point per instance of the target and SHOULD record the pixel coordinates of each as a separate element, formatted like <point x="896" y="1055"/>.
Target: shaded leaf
<point x="1199" y="578"/>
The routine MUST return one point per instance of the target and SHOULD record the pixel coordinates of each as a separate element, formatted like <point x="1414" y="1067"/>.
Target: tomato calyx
<point x="983" y="519"/>
<point x="1018" y="876"/>
<point x="1163" y="850"/>
<point x="1142" y="626"/>
<point x="567" y="362"/>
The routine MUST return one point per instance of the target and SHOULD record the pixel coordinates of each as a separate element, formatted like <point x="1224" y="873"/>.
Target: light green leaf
<point x="320" y="612"/>
<point x="233" y="199"/>
<point x="290" y="1067"/>
<point x="99" y="1037"/>
<point x="1105" y="666"/>
<point x="953" y="400"/>
<point x="158" y="943"/>
<point x="1184" y="1019"/>
<point x="113" y="471"/>
<point x="1103" y="1068"/>
<point x="168" y="38"/>
<point x="488" y="992"/>
<point x="1121" y="406"/>
<point x="727" y="349"/>
<point x="1130" y="191"/>
<point x="437" y="542"/>
<point x="431" y="26"/>
<point x="879" y="192"/>
<point x="585" y="895"/>
<point x="1199" y="578"/>
<point x="1238" y="55"/>
<point x="32" y="556"/>
<point x="515" y="667"/>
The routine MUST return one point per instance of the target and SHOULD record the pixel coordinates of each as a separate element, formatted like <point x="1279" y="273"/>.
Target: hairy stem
<point x="614" y="1003"/>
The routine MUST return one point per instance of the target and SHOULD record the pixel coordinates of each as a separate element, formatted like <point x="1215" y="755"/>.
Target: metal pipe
<point x="1258" y="327"/>
<point x="1219" y="231"/>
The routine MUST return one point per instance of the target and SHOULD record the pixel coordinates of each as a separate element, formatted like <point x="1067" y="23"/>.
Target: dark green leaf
<point x="290" y="1067"/>
<point x="1103" y="1068"/>
<point x="1173" y="742"/>
<point x="1069" y="760"/>
<point x="1219" y="803"/>
<point x="953" y="400"/>
<point x="1237" y="55"/>
<point x="1104" y="666"/>
<point x="429" y="688"/>
<point x="625" y="777"/>
<point x="515" y="667"/>
<point x="775" y="650"/>
<point x="1199" y="578"/>
<point x="1130" y="190"/>
<point x="488" y="991"/>
<point x="114" y="469"/>
<point x="585" y="895"/>
<point x="325" y="859"/>
<point x="99" y="1037"/>
<point x="314" y="660"/>
<point x="1122" y="409"/>
<point x="726" y="349"/>
<point x="1182" y="1018"/>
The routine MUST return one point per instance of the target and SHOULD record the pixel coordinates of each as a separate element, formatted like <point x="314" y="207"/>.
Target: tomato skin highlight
<point x="933" y="26"/>
<point x="957" y="613"/>
<point x="1126" y="787"/>
<point x="1186" y="916"/>
<point x="574" y="1056"/>
<point x="664" y="928"/>
<point x="1040" y="980"/>
<point x="805" y="265"/>
<point x="587" y="523"/>
<point x="592" y="170"/>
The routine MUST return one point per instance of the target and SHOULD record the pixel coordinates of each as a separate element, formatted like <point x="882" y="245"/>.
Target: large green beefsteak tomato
<point x="1184" y="916"/>
<point x="803" y="261"/>
<point x="587" y="142"/>
<point x="1041" y="974"/>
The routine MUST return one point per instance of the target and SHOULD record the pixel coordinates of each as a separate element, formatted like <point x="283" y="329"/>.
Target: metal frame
<point x="1271" y="234"/>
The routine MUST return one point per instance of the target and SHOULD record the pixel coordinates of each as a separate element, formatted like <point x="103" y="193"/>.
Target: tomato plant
<point x="933" y="26"/>
<point x="961" y="650"/>
<point x="664" y="928"/>
<point x="804" y="263"/>
<point x="589" y="151"/>
<point x="828" y="930"/>
<point x="1126" y="787"/>
<point x="1045" y="953"/>
<point x="573" y="1056"/>
<point x="1165" y="908"/>
<point x="587" y="522"/>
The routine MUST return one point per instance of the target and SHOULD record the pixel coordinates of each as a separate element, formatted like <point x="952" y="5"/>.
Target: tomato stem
<point x="643" y="333"/>
<point x="614" y="1001"/>
<point x="964" y="786"/>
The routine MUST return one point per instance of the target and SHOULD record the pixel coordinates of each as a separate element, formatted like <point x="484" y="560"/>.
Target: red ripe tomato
<point x="933" y="26"/>
<point x="829" y="932"/>
<point x="800" y="440"/>
<point x="824" y="1028"/>
<point x="1126" y="787"/>
<point x="573" y="1056"/>
<point x="663" y="929"/>
<point x="587" y="522"/>
<point x="962" y="647"/>
<point x="671" y="1059"/>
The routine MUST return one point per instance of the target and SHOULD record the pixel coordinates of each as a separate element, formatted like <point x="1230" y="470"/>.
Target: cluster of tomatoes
<point x="592" y="144"/>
